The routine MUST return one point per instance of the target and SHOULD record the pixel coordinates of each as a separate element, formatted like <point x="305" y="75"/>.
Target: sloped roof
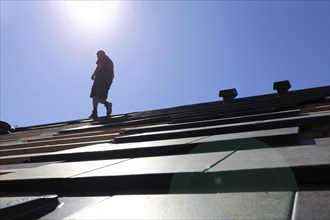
<point x="260" y="157"/>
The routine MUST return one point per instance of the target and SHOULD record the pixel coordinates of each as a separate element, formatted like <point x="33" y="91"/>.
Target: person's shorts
<point x="100" y="89"/>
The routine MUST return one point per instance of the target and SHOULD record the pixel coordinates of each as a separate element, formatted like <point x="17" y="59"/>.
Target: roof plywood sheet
<point x="163" y="164"/>
<point x="59" y="170"/>
<point x="113" y="150"/>
<point x="127" y="146"/>
<point x="275" y="157"/>
<point x="263" y="205"/>
<point x="252" y="134"/>
<point x="71" y="205"/>
<point x="312" y="204"/>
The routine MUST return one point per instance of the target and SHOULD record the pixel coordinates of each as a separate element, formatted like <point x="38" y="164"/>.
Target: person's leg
<point x="95" y="104"/>
<point x="108" y="105"/>
<point x="99" y="94"/>
<point x="101" y="100"/>
<point x="104" y="96"/>
<point x="94" y="91"/>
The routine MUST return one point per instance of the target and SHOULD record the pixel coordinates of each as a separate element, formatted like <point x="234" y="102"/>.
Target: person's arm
<point x="97" y="69"/>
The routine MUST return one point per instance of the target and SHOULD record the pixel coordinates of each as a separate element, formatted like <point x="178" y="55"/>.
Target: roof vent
<point x="228" y="95"/>
<point x="282" y="87"/>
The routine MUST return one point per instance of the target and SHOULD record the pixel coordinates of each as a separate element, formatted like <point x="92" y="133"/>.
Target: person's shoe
<point x="93" y="115"/>
<point x="108" y="106"/>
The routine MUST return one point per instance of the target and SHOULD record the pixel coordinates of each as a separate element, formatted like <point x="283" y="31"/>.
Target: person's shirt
<point x="106" y="72"/>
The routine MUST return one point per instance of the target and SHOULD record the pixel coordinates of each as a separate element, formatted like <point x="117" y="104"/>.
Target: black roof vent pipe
<point x="282" y="87"/>
<point x="228" y="95"/>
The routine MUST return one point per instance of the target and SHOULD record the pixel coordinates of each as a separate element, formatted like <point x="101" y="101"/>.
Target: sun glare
<point x="89" y="18"/>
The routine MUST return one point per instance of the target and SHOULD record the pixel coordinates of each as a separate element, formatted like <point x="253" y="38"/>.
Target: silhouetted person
<point x="102" y="76"/>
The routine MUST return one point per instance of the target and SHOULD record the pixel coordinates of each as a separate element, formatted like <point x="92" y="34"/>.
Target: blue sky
<point x="166" y="53"/>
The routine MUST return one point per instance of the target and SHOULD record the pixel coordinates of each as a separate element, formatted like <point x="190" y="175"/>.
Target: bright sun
<point x="89" y="18"/>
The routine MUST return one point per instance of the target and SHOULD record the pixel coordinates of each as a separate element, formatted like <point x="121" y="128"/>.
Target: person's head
<point x="100" y="54"/>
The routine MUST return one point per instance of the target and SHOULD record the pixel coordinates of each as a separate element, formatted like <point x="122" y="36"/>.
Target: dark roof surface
<point x="260" y="157"/>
